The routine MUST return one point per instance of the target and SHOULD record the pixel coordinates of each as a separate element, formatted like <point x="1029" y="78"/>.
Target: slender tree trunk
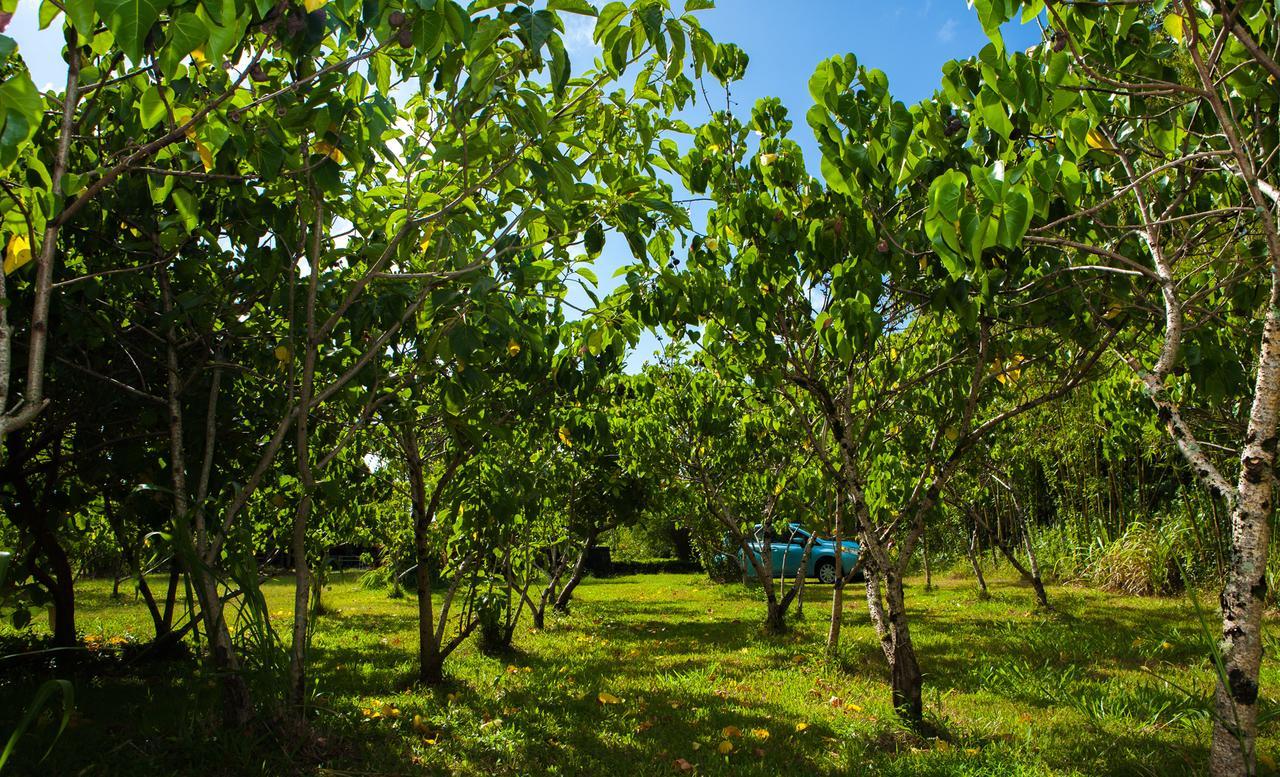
<point x="837" y="591"/>
<point x="924" y="552"/>
<point x="131" y="559"/>
<point x="775" y="620"/>
<point x="430" y="656"/>
<point x="301" y="612"/>
<point x="1042" y="597"/>
<point x="579" y="569"/>
<point x="237" y="705"/>
<point x="983" y="593"/>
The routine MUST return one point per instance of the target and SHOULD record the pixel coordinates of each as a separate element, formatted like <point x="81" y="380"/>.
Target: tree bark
<point x="983" y="593"/>
<point x="61" y="588"/>
<point x="904" y="669"/>
<point x="1244" y="592"/>
<point x="579" y="569"/>
<point x="837" y="591"/>
<point x="1042" y="597"/>
<point x="430" y="656"/>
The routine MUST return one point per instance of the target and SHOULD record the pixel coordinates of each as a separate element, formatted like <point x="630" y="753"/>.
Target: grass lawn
<point x="671" y="674"/>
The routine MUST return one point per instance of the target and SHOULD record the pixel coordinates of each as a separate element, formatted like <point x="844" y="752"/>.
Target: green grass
<point x="1099" y="687"/>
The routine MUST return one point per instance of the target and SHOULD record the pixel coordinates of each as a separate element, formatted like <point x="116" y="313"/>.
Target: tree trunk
<point x="1042" y="597"/>
<point x="837" y="591"/>
<point x="924" y="552"/>
<point x="1244" y="593"/>
<point x="904" y="670"/>
<point x="237" y="705"/>
<point x="983" y="593"/>
<point x="775" y="621"/>
<point x="301" y="612"/>
<point x="430" y="656"/>
<point x="60" y="582"/>
<point x="1033" y="563"/>
<point x="579" y="569"/>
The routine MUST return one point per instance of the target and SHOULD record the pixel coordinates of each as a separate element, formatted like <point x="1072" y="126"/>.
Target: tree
<point x="739" y="451"/>
<point x="1159" y="118"/>
<point x="896" y="300"/>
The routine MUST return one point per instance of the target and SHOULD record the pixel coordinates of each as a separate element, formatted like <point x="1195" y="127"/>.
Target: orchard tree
<point x="895" y="298"/>
<point x="365" y="172"/>
<point x="1158" y="121"/>
<point x="741" y="452"/>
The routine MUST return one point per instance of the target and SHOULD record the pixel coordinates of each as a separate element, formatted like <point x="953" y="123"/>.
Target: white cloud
<point x="577" y="36"/>
<point x="947" y="32"/>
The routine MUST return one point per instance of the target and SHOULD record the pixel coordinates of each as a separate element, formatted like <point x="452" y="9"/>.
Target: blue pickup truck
<point x="787" y="549"/>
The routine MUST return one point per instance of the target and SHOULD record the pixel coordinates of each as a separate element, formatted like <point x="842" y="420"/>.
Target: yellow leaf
<point x="329" y="150"/>
<point x="725" y="747"/>
<point x="314" y="5"/>
<point x="1176" y="26"/>
<point x="282" y="354"/>
<point x="608" y="698"/>
<point x="1097" y="140"/>
<point x="17" y="253"/>
<point x="760" y="733"/>
<point x="513" y="349"/>
<point x="420" y="725"/>
<point x="427" y="232"/>
<point x="942" y="746"/>
<point x="199" y="57"/>
<point x="801" y="726"/>
<point x="730" y="731"/>
<point x="952" y="434"/>
<point x="971" y="751"/>
<point x="563" y="432"/>
<point x="206" y="156"/>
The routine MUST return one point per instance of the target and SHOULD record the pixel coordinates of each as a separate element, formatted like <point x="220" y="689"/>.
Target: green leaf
<point x="946" y="193"/>
<point x="610" y="15"/>
<point x="187" y="207"/>
<point x="81" y="13"/>
<point x="572" y="6"/>
<point x="1015" y="216"/>
<point x="187" y="32"/>
<point x="20" y="111"/>
<point x="486" y="34"/>
<point x="130" y="21"/>
<point x="48" y="12"/>
<point x="41" y="700"/>
<point x="151" y="107"/>
<point x="699" y="5"/>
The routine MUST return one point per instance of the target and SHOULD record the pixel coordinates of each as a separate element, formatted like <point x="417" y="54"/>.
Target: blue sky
<point x="785" y="39"/>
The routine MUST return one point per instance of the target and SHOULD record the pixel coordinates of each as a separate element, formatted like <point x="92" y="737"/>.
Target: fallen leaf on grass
<point x="608" y="698"/>
<point x="725" y="747"/>
<point x="684" y="765"/>
<point x="730" y="731"/>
